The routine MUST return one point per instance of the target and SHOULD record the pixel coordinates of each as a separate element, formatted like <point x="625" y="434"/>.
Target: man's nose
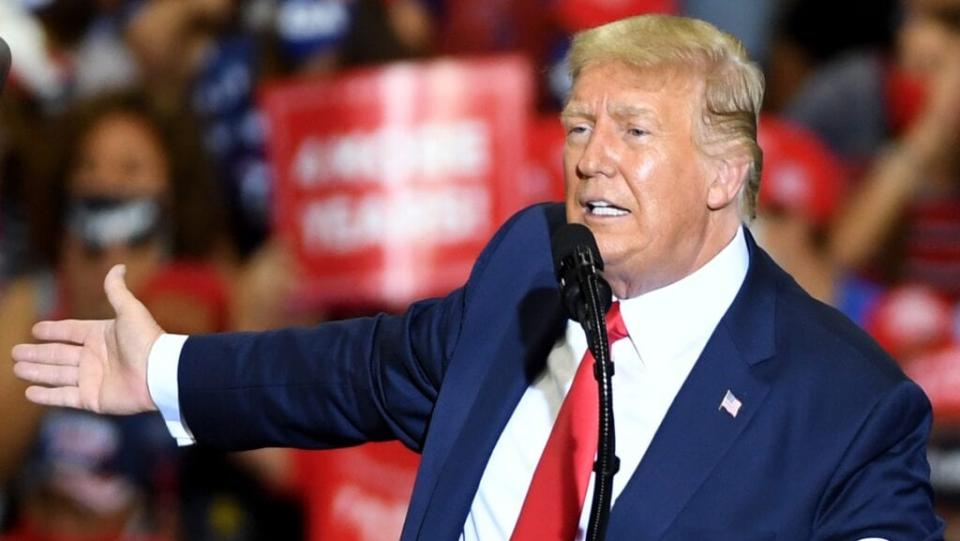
<point x="598" y="158"/>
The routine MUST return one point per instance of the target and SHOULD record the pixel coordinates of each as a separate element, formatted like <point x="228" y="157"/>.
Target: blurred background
<point x="261" y="163"/>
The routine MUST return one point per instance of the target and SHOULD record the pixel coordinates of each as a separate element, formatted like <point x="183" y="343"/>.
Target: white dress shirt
<point x="162" y="364"/>
<point x="668" y="327"/>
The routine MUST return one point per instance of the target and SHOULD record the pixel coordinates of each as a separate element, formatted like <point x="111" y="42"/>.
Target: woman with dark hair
<point x="131" y="188"/>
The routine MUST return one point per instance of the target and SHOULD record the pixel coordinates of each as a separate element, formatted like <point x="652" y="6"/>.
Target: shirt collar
<point x="666" y="322"/>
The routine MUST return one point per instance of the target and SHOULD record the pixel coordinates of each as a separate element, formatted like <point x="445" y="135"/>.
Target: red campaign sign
<point x="357" y="494"/>
<point x="391" y="180"/>
<point x="544" y="177"/>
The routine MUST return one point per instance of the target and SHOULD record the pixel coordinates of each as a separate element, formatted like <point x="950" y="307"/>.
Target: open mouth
<point x="604" y="208"/>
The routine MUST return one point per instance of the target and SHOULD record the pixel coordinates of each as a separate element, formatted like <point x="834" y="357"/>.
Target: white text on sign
<point x="392" y="154"/>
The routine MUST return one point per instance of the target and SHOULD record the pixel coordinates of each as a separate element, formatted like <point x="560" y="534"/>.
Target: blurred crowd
<point x="130" y="132"/>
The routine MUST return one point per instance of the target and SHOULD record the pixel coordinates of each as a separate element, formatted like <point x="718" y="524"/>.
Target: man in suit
<point x="745" y="409"/>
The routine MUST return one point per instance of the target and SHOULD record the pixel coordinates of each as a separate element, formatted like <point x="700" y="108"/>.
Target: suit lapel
<point x="697" y="432"/>
<point x="505" y="346"/>
<point x="509" y="376"/>
<point x="691" y="441"/>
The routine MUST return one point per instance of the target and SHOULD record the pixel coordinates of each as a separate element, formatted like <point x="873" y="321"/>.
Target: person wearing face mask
<point x="125" y="193"/>
<point x="745" y="409"/>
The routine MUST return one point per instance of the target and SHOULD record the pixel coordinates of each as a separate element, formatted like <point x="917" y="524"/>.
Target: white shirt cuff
<point x="162" y="364"/>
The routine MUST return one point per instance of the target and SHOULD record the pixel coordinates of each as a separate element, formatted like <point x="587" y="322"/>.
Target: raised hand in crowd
<point x="920" y="162"/>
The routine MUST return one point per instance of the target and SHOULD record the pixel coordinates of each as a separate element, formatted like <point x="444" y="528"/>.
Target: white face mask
<point x="101" y="221"/>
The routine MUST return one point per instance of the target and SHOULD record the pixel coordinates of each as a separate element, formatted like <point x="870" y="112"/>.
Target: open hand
<point x="96" y="365"/>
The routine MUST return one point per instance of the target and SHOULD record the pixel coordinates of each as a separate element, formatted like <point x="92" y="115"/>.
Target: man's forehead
<point x="645" y="76"/>
<point x="619" y="108"/>
<point x="626" y="90"/>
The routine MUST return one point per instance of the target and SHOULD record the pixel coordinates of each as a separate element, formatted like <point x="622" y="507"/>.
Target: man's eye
<point x="577" y="129"/>
<point x="636" y="132"/>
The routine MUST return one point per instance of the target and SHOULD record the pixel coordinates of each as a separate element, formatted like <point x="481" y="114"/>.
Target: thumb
<point x="121" y="299"/>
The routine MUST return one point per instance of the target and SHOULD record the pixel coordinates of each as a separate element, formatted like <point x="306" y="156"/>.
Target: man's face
<point x="636" y="177"/>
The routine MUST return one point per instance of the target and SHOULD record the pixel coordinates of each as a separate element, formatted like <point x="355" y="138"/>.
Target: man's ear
<point x="730" y="173"/>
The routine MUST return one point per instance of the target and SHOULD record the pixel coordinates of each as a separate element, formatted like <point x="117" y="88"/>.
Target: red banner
<point x="391" y="180"/>
<point x="544" y="177"/>
<point x="357" y="494"/>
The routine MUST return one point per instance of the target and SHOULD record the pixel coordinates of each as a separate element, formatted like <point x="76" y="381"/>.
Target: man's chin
<point x="611" y="251"/>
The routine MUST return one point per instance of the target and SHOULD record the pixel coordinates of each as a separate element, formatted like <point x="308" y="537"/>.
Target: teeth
<point x="607" y="211"/>
<point x="604" y="208"/>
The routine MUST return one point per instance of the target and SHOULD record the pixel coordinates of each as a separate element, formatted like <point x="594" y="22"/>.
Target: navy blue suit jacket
<point x="829" y="443"/>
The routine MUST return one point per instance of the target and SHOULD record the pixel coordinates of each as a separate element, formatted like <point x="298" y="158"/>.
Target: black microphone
<point x="587" y="298"/>
<point x="4" y="62"/>
<point x="577" y="261"/>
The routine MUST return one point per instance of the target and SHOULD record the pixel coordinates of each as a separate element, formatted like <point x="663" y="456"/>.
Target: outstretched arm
<point x="98" y="365"/>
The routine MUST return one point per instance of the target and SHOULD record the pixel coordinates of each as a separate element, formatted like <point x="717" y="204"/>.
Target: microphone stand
<point x="590" y="303"/>
<point x="586" y="297"/>
<point x="607" y="463"/>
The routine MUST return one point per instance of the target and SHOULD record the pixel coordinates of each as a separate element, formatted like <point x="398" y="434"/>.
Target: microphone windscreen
<point x="568" y="238"/>
<point x="4" y="62"/>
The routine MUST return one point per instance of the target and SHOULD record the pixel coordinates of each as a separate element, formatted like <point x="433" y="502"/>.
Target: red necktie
<point x="554" y="501"/>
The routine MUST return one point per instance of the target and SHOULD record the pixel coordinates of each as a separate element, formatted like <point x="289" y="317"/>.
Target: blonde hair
<point x="733" y="89"/>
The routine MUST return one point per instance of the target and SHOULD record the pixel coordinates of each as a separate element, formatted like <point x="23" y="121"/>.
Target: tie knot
<point x="616" y="328"/>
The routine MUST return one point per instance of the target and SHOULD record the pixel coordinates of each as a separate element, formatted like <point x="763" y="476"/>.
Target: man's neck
<point x="628" y="285"/>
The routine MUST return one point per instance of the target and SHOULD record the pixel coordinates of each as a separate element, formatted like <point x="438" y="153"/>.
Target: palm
<point x="94" y="365"/>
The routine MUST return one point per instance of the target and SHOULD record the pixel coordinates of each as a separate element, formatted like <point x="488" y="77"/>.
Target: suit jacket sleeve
<point x="337" y="384"/>
<point x="881" y="487"/>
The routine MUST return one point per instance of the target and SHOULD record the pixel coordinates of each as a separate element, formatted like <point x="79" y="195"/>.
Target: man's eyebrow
<point x="624" y="110"/>
<point x="576" y="110"/>
<point x="618" y="111"/>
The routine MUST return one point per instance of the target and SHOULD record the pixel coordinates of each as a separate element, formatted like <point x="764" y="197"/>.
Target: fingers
<point x="54" y="367"/>
<point x="116" y="289"/>
<point x="51" y="354"/>
<point x="48" y="375"/>
<point x="69" y="330"/>
<point x="66" y="397"/>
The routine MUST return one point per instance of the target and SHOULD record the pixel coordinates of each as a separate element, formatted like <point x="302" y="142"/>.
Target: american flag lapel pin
<point x="730" y="404"/>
